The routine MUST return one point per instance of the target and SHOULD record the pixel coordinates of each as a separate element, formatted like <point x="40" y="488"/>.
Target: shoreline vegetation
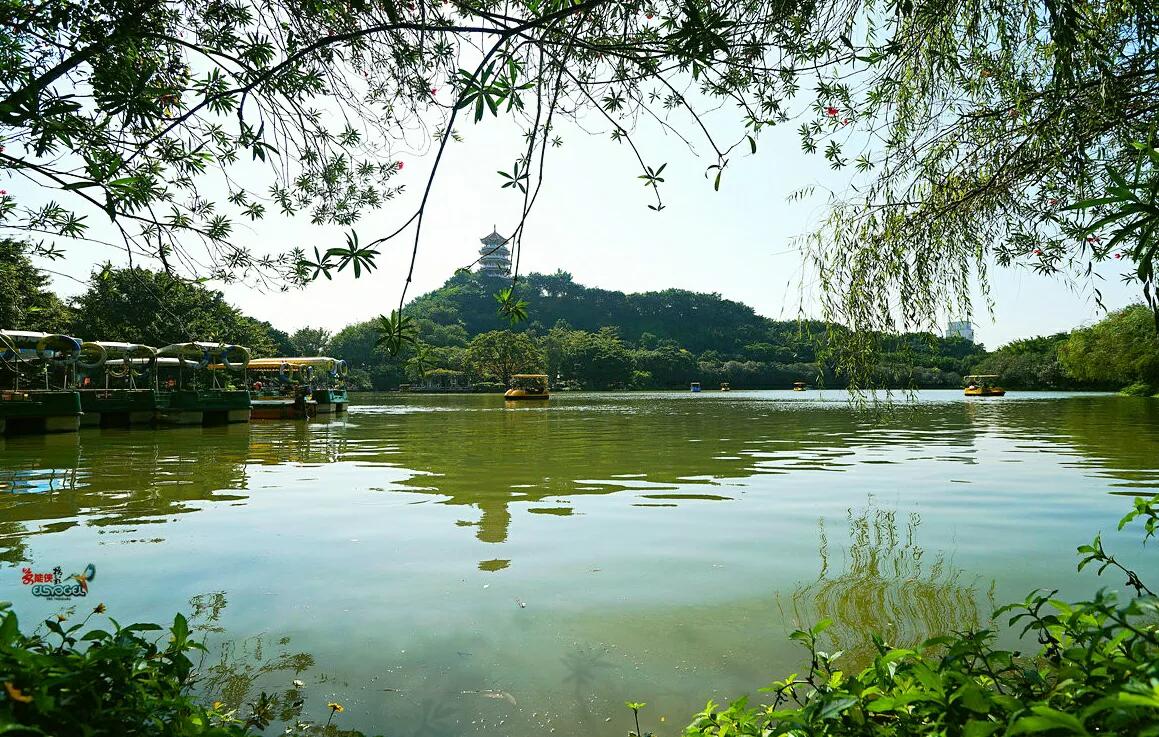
<point x="586" y="338"/>
<point x="1095" y="672"/>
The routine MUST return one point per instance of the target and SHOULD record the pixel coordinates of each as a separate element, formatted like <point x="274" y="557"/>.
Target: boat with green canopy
<point x="36" y="373"/>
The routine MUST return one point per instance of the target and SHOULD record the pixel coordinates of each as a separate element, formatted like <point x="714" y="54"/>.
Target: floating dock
<point x="202" y="407"/>
<point x="39" y="411"/>
<point x="117" y="407"/>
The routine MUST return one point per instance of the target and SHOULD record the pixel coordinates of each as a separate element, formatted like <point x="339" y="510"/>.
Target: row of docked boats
<point x="59" y="383"/>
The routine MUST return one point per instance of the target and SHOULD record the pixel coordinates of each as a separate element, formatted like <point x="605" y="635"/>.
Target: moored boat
<point x="35" y="387"/>
<point x="284" y="387"/>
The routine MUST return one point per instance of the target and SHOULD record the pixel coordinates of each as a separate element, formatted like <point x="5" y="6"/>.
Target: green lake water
<point x="451" y="565"/>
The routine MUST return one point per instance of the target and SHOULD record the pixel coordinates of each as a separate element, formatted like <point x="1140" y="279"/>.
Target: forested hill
<point x="580" y="336"/>
<point x="696" y="321"/>
<point x="600" y="339"/>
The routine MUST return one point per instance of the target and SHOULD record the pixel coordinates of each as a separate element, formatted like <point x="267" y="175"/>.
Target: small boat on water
<point x="527" y="386"/>
<point x="800" y="386"/>
<point x="281" y="390"/>
<point x="694" y="387"/>
<point x="724" y="387"/>
<point x="980" y="385"/>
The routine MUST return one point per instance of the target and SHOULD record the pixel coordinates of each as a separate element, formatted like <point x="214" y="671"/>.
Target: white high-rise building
<point x="494" y="256"/>
<point x="960" y="329"/>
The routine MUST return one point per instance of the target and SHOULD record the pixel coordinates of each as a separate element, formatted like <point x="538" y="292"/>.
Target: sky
<point x="592" y="220"/>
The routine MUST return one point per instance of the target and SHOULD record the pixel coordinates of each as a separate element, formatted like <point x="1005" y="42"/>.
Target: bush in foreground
<point x="124" y="681"/>
<point x="1096" y="673"/>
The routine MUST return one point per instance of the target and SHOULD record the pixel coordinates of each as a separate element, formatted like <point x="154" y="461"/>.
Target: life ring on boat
<point x="98" y="352"/>
<point x="125" y="364"/>
<point x="341" y="368"/>
<point x="58" y="349"/>
<point x="241" y="357"/>
<point x="190" y="350"/>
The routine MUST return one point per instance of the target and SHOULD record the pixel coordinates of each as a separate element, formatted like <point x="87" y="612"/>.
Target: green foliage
<point x="396" y="333"/>
<point x="310" y="342"/>
<point x="498" y="354"/>
<point x="1032" y="363"/>
<point x="119" y="681"/>
<point x="1121" y="349"/>
<point x="25" y="304"/>
<point x="1130" y="210"/>
<point x="141" y="306"/>
<point x="137" y="681"/>
<point x="1096" y="673"/>
<point x="1138" y="389"/>
<point x="979" y="124"/>
<point x="298" y="107"/>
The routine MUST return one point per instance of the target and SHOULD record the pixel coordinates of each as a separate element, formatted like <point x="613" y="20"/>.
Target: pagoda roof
<point x="494" y="239"/>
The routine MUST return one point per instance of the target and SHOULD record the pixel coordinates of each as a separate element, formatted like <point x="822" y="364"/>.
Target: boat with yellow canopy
<point x="527" y="386"/>
<point x="980" y="385"/>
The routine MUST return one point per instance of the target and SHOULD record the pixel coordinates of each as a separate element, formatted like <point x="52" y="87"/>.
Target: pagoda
<point x="494" y="256"/>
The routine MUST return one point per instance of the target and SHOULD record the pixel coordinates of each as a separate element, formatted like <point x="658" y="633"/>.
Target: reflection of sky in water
<point x="39" y="480"/>
<point x="436" y="555"/>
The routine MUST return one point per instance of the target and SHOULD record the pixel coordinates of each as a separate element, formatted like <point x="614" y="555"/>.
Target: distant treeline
<point x="581" y="337"/>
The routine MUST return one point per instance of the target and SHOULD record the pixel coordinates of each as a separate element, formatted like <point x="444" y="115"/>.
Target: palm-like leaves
<point x="339" y="258"/>
<point x="1131" y="209"/>
<point x="396" y="332"/>
<point x="511" y="308"/>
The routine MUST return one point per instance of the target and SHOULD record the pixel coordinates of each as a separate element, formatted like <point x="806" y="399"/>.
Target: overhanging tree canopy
<point x="972" y="127"/>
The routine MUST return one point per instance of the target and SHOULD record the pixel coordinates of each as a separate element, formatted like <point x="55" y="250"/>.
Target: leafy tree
<point x="1032" y="363"/>
<point x="974" y="131"/>
<point x="1119" y="350"/>
<point x="25" y="303"/>
<point x="498" y="354"/>
<point x="309" y="341"/>
<point x="371" y="366"/>
<point x="142" y="306"/>
<point x="127" y="110"/>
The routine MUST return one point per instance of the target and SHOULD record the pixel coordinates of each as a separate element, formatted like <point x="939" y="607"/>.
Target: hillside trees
<point x="1119" y="350"/>
<point x="499" y="354"/>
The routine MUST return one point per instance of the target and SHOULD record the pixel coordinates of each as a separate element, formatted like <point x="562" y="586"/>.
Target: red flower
<point x="398" y="165"/>
<point x="1118" y="256"/>
<point x="434" y="90"/>
<point x="831" y="111"/>
<point x="3" y="193"/>
<point x="845" y="121"/>
<point x="1038" y="252"/>
<point x="1053" y="201"/>
<point x="648" y="16"/>
<point x="1094" y="239"/>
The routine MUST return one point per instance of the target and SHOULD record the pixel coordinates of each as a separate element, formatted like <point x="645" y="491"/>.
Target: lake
<point x="450" y="565"/>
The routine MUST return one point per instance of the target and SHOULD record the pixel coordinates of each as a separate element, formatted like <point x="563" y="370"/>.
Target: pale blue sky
<point x="592" y="220"/>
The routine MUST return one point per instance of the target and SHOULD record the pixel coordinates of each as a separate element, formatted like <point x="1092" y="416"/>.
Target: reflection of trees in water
<point x="584" y="666"/>
<point x="240" y="664"/>
<point x="435" y="718"/>
<point x="888" y="586"/>
<point x="114" y="477"/>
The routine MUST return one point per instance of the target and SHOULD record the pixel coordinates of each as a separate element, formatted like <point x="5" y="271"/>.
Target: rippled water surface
<point x="448" y="565"/>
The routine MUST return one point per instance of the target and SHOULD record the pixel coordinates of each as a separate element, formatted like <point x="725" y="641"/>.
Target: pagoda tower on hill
<point x="494" y="256"/>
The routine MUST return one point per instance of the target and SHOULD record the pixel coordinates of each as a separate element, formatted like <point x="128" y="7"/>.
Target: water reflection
<point x="885" y="584"/>
<point x="471" y="451"/>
